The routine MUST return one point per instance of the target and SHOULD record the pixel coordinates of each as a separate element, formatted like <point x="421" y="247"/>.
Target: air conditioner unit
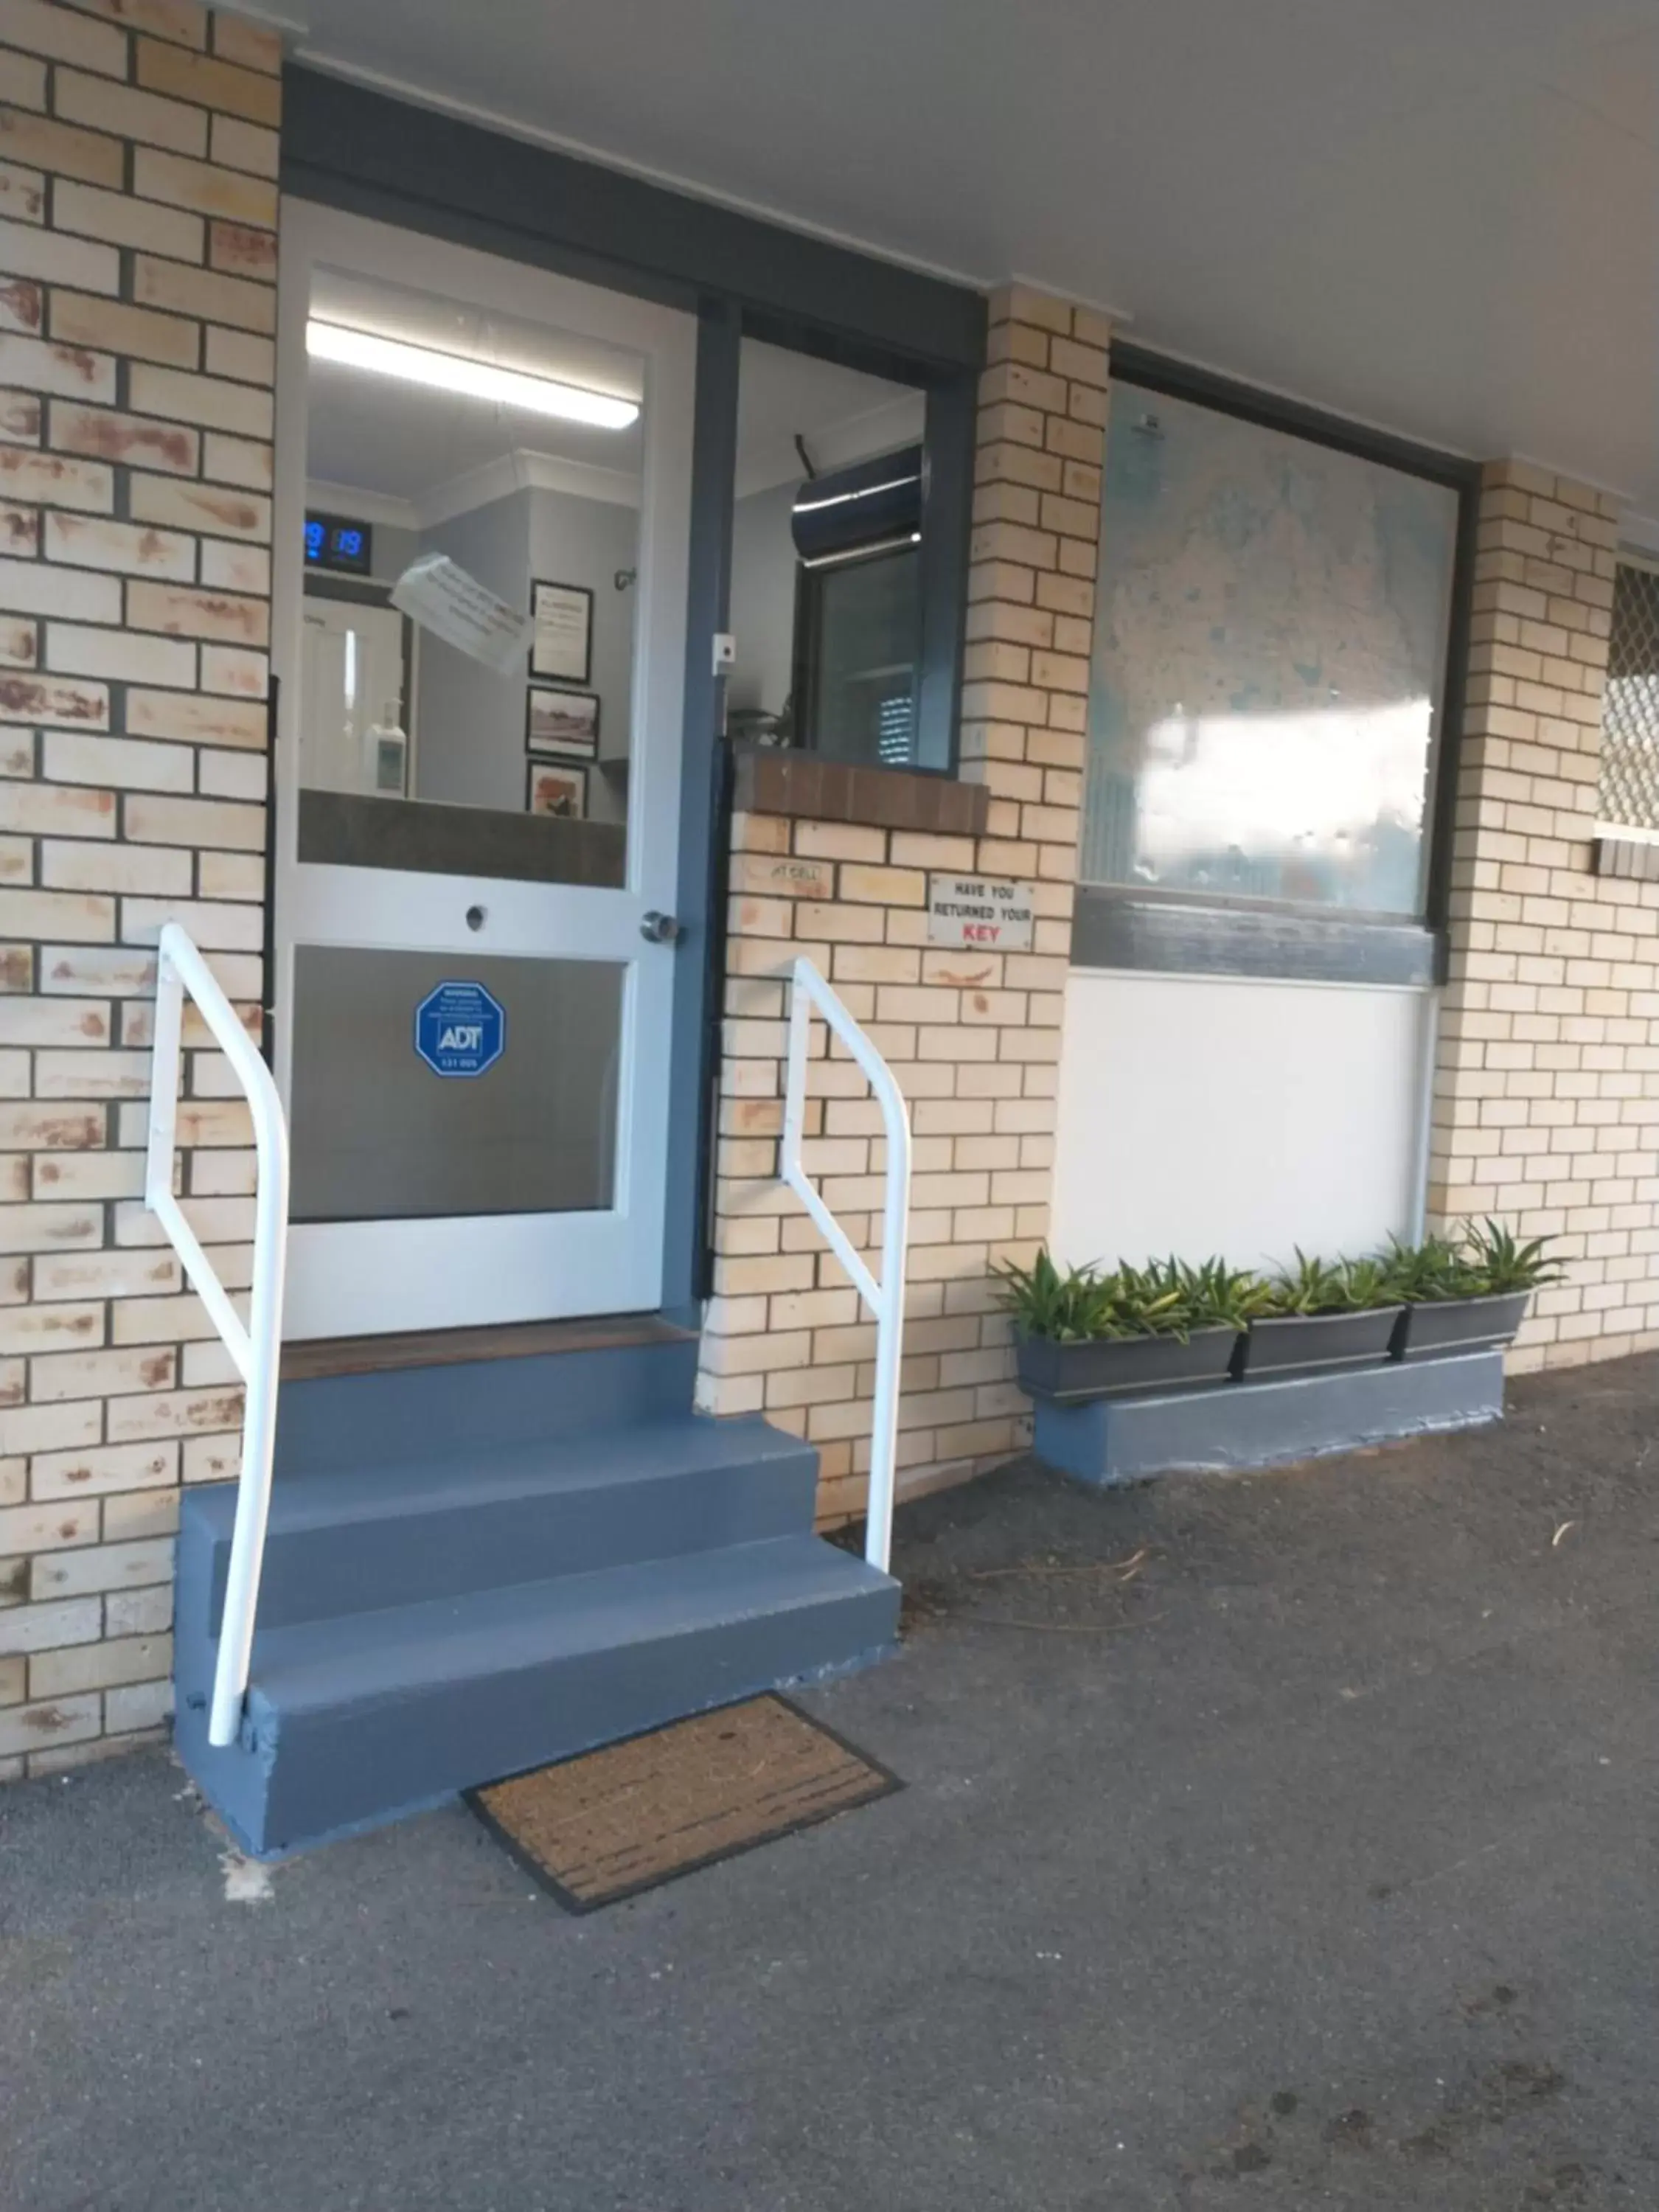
<point x="865" y="508"/>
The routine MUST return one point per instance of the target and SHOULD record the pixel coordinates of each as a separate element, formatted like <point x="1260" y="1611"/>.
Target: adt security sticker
<point x="459" y="1030"/>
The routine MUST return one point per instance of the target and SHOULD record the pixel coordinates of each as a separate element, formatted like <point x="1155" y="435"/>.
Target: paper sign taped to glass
<point x="438" y="593"/>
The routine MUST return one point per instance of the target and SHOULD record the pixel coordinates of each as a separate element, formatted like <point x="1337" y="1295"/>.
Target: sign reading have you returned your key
<point x="459" y="1030"/>
<point x="980" y="911"/>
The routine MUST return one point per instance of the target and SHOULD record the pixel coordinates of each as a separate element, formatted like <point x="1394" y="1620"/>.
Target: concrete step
<point x="348" y="1421"/>
<point x="491" y="1514"/>
<point x="357" y="1719"/>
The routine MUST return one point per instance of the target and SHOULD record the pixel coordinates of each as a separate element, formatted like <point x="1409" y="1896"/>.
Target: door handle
<point x="659" y="929"/>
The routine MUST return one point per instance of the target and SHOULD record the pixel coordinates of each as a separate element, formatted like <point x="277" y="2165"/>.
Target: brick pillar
<point x="974" y="1038"/>
<point x="1547" y="1089"/>
<point x="138" y="155"/>
<point x="1035" y="551"/>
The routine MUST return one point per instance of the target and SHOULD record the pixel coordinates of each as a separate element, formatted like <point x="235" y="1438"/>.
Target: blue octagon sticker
<point x="459" y="1030"/>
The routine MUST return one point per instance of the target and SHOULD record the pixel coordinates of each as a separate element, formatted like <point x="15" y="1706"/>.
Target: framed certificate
<point x="562" y="640"/>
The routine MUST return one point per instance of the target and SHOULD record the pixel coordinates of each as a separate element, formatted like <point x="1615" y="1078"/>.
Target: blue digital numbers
<point x="331" y="543"/>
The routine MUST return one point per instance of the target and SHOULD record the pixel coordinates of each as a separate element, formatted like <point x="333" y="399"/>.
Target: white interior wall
<point x="470" y="720"/>
<point x="1204" y="1113"/>
<point x="763" y="598"/>
<point x="591" y="541"/>
<point x="467" y="721"/>
<point x="391" y="551"/>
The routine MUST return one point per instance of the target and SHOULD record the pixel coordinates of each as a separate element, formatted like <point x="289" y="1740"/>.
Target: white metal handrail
<point x="257" y="1348"/>
<point x="885" y="1298"/>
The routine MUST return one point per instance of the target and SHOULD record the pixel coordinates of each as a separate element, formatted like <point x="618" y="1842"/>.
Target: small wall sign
<point x="982" y="911"/>
<point x="459" y="1030"/>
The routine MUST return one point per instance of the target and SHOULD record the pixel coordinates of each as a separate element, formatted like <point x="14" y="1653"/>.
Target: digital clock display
<point x="332" y="542"/>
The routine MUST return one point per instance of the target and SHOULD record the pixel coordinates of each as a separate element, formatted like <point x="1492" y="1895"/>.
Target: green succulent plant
<point x="1425" y="1273"/>
<point x="1503" y="1262"/>
<point x="1211" y="1295"/>
<point x="1369" y="1283"/>
<point x="1173" y="1297"/>
<point x="1311" y="1286"/>
<point x="1479" y="1260"/>
<point x="1330" y="1286"/>
<point x="1165" y="1297"/>
<point x="1069" y="1308"/>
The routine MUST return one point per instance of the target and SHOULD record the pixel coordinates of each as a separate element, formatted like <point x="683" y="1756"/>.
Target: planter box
<point x="1440" y="1327"/>
<point x="1315" y="1344"/>
<point x="1110" y="1367"/>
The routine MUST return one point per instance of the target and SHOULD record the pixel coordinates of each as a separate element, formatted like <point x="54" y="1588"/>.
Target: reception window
<point x="1269" y="664"/>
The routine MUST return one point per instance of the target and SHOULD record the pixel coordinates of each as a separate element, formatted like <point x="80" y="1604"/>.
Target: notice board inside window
<point x="1269" y="666"/>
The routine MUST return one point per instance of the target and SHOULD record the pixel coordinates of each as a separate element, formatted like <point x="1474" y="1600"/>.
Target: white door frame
<point x="360" y="1279"/>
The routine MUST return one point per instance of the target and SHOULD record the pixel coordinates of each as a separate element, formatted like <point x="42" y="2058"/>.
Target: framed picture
<point x="562" y="643"/>
<point x="562" y="722"/>
<point x="557" y="789"/>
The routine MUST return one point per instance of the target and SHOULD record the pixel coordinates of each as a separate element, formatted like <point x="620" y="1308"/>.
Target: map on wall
<point x="1270" y="640"/>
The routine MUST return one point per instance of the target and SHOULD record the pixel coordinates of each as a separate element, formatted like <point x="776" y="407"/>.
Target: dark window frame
<point x="1181" y="933"/>
<point x="809" y="645"/>
<point x="949" y="431"/>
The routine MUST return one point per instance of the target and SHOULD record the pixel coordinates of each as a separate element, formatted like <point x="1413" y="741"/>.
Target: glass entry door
<point x="482" y="514"/>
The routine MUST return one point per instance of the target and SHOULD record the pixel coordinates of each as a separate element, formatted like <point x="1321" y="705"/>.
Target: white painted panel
<point x="1204" y="1113"/>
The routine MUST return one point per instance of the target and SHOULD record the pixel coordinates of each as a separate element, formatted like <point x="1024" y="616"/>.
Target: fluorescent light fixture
<point x="474" y="380"/>
<point x="845" y="553"/>
<point x="864" y="491"/>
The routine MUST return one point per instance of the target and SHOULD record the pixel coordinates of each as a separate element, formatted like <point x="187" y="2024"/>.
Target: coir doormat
<point x="613" y="1822"/>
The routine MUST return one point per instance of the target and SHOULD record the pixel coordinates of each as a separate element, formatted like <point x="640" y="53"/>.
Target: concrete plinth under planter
<point x="1252" y="1424"/>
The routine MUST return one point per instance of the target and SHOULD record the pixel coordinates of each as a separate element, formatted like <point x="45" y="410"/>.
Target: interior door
<point x="352" y="706"/>
<point x="473" y="1013"/>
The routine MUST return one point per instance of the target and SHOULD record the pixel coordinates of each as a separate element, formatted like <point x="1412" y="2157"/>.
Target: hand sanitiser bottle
<point x="388" y="753"/>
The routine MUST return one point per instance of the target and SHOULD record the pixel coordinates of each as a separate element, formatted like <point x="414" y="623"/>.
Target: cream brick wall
<point x="1547" y="1094"/>
<point x="973" y="1039"/>
<point x="139" y="145"/>
<point x="138" y="150"/>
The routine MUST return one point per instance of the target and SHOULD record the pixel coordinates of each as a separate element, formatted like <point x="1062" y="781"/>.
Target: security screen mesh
<point x="1630" y="717"/>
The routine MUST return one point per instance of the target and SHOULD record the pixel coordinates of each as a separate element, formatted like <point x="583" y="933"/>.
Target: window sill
<point x="772" y="780"/>
<point x="1632" y="854"/>
<point x="1139" y="931"/>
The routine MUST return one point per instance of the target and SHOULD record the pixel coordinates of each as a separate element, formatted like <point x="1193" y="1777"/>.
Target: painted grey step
<point x="345" y="1421"/>
<point x="356" y="1719"/>
<point x="394" y="1535"/>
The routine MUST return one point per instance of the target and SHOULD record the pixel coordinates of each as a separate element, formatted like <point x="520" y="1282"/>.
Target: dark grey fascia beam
<point x="351" y="147"/>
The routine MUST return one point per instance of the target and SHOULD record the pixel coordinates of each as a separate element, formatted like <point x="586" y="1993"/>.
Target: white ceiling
<point x="1439" y="216"/>
<point x="842" y="415"/>
<point x="420" y="454"/>
<point x="404" y="441"/>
